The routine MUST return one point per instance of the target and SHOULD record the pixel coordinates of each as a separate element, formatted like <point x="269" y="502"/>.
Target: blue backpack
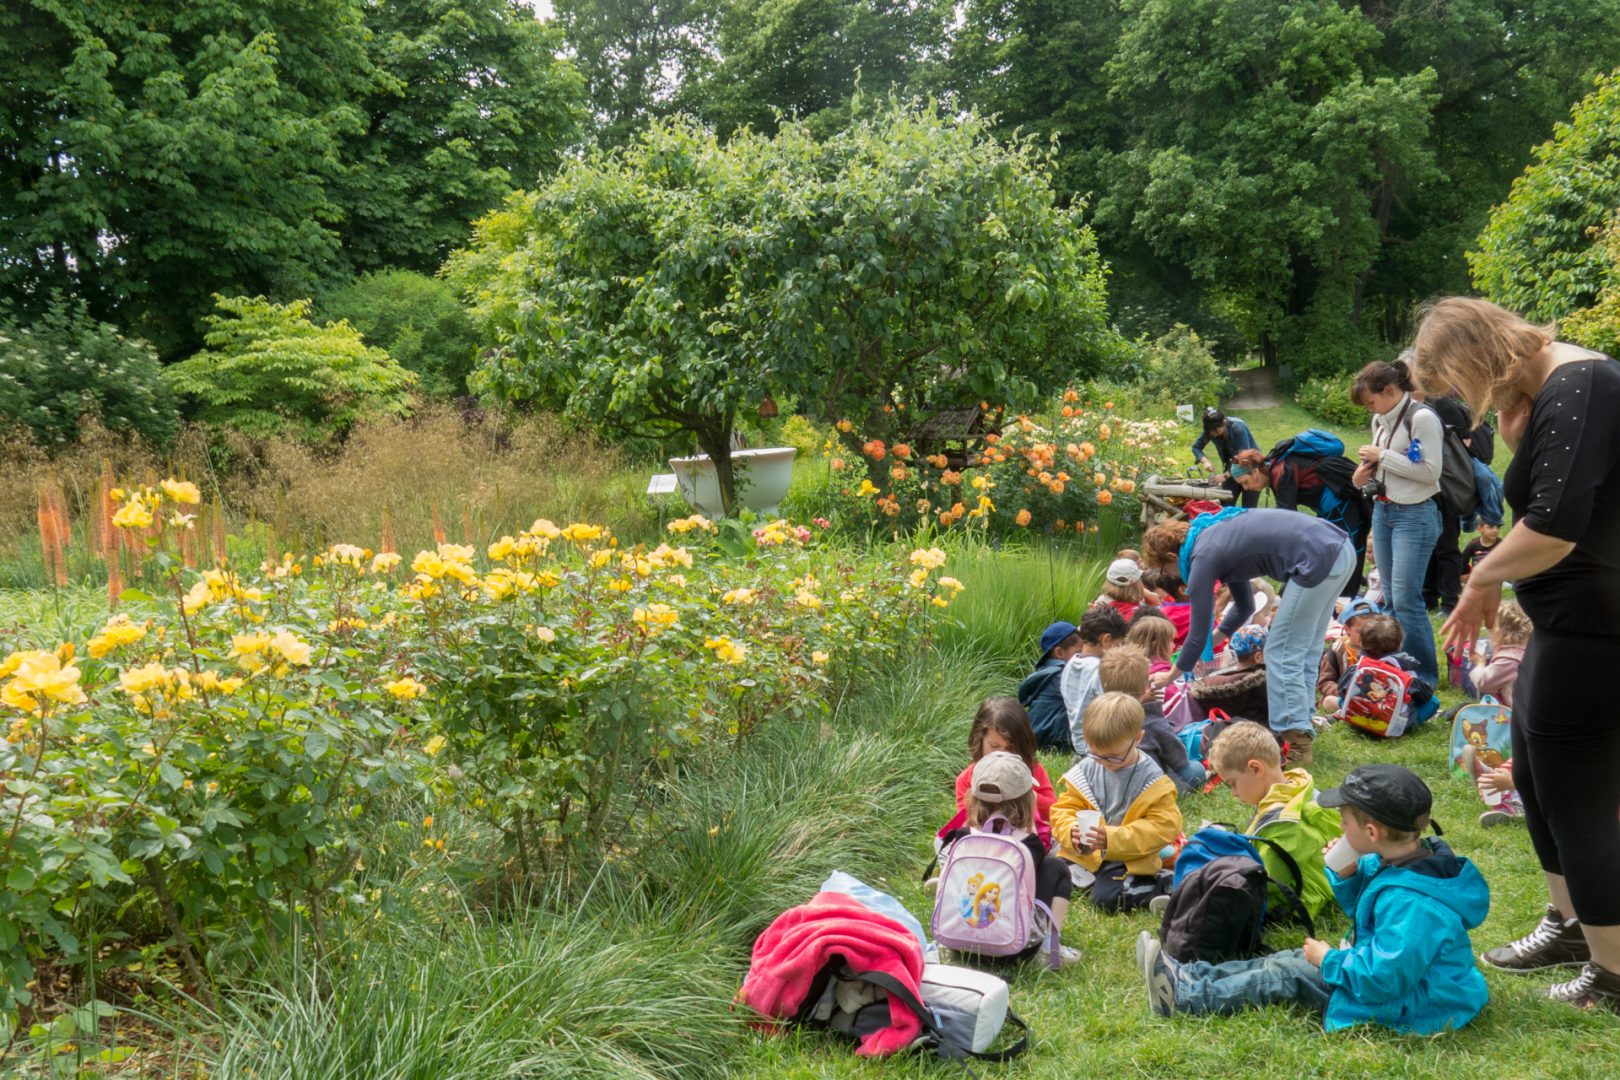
<point x="1312" y="442"/>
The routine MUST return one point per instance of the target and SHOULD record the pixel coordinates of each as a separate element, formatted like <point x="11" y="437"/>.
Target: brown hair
<point x="1007" y="718"/>
<point x="1381" y="635"/>
<point x="1111" y="719"/>
<point x="1165" y="581"/>
<point x="1251" y="459"/>
<point x="1477" y="347"/>
<point x="1244" y="741"/>
<point x="1155" y="636"/>
<point x="1124" y="669"/>
<point x="1161" y="545"/>
<point x="1379" y="376"/>
<point x="1129" y="553"/>
<point x="1512" y="624"/>
<point x="1019" y="812"/>
<point x="1130" y="592"/>
<point x="1391" y="833"/>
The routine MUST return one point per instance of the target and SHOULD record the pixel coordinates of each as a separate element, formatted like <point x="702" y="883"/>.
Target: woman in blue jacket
<point x="1230" y="435"/>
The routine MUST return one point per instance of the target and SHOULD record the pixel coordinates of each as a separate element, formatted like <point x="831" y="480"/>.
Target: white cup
<point x="1341" y="857"/>
<point x="1086" y="820"/>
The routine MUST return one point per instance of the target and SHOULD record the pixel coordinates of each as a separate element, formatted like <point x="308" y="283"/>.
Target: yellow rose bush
<point x="230" y="754"/>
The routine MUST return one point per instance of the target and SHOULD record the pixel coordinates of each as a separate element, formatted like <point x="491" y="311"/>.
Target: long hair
<point x="1477" y="348"/>
<point x="1379" y="376"/>
<point x="1007" y="718"/>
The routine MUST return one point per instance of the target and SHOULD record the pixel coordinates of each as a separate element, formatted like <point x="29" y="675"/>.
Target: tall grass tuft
<point x="1012" y="594"/>
<point x="592" y="991"/>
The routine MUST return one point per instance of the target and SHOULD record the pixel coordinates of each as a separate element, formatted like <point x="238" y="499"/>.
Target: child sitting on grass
<point x="1156" y="636"/>
<point x="1118" y="810"/>
<point x="1412" y="902"/>
<point x="1122" y="587"/>
<point x="1381" y="639"/>
<point x="1238" y="691"/>
<point x="1496" y="674"/>
<point x="1002" y="725"/>
<point x="1125" y="670"/>
<point x="1002" y="783"/>
<point x="1249" y="761"/>
<point x="1173" y="602"/>
<point x="1101" y="628"/>
<point x="1341" y="656"/>
<point x="1041" y="692"/>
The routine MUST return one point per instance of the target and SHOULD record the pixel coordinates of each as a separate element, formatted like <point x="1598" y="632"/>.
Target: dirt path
<point x="1256" y="389"/>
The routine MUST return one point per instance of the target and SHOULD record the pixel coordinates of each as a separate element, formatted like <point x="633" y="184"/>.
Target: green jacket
<point x="1289" y="817"/>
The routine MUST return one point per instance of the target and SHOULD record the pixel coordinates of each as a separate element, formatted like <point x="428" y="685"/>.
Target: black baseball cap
<point x="1389" y="794"/>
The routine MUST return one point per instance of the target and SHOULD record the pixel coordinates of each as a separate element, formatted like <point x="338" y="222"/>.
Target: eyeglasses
<point x="1118" y="759"/>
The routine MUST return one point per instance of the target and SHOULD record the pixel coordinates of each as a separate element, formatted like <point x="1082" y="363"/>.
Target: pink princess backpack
<point x="986" y="901"/>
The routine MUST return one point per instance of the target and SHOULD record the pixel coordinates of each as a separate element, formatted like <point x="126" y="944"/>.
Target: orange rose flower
<point x="1104" y="497"/>
<point x="1023" y="518"/>
<point x="901" y="450"/>
<point x="874" y="449"/>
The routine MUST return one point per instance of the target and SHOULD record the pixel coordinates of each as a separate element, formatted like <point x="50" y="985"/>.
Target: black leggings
<point x="1566" y="765"/>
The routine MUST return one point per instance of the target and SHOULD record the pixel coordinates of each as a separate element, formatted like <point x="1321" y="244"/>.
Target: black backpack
<point x="1219" y="911"/>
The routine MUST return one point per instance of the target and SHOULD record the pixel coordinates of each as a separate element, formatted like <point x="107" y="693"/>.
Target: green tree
<point x="416" y="319"/>
<point x="1539" y="254"/>
<point x="635" y="55"/>
<point x="269" y="370"/>
<point x="152" y="153"/>
<point x="477" y="102"/>
<point x="1262" y="178"/>
<point x="804" y="58"/>
<point x="906" y="264"/>
<point x="66" y="364"/>
<point x="1598" y="326"/>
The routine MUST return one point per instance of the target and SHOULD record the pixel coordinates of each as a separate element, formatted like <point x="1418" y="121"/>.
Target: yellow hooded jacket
<point x="1151" y="821"/>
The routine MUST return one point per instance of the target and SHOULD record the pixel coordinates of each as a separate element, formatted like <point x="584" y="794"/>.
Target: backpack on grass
<point x="986" y="900"/>
<point x="962" y="1011"/>
<point x="1484" y="725"/>
<point x="1219" y="898"/>
<point x="1378" y="699"/>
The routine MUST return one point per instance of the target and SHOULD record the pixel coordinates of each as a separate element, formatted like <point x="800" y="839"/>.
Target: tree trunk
<point x="716" y="442"/>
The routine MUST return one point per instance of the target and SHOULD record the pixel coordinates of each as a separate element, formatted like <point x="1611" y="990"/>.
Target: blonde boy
<point x="1135" y="800"/>
<point x="1250" y="763"/>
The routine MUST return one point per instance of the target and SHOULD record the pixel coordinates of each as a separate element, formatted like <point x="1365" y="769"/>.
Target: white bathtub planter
<point x="760" y="477"/>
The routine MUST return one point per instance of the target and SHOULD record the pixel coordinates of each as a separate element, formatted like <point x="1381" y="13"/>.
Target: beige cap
<point x="1001" y="777"/>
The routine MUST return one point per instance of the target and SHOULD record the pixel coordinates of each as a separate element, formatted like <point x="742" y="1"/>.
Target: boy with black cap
<point x="1041" y="692"/>
<point x="1411" y="967"/>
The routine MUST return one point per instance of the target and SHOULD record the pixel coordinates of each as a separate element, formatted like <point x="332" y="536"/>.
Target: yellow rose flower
<point x="432" y="747"/>
<point x="385" y="563"/>
<point x="144" y="679"/>
<point x="545" y="634"/>
<point x="119" y="631"/>
<point x="39" y="678"/>
<point x="931" y="558"/>
<point x="919" y="577"/>
<point x="740" y="596"/>
<point x="544" y="529"/>
<point x="819" y="658"/>
<point x="726" y="649"/>
<point x="292" y="649"/>
<point x="581" y="533"/>
<point x="655" y="618"/>
<point x="133" y="515"/>
<point x="182" y="491"/>
<point x="406" y="689"/>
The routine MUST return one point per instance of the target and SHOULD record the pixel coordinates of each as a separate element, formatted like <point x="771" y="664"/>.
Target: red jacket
<point x="1045" y="796"/>
<point x="805" y="939"/>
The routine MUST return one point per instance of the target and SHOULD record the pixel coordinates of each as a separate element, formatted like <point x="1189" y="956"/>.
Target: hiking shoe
<point x="1157" y="975"/>
<point x="1321" y="723"/>
<point x="1158" y="904"/>
<point x="1492" y="818"/>
<point x="1555" y="942"/>
<point x="1297" y="748"/>
<point x="1068" y="956"/>
<point x="1593" y="988"/>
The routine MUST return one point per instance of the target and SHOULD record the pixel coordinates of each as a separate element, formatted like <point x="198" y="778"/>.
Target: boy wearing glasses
<point x="1117" y="810"/>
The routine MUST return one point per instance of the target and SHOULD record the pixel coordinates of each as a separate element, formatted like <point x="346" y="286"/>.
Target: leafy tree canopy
<point x="635" y="55"/>
<point x="1539" y="253"/>
<point x="416" y="319"/>
<point x="477" y="102"/>
<point x="268" y="369"/>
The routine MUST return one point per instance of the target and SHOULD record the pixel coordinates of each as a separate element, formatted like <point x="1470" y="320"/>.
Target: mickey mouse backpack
<point x="1378" y="701"/>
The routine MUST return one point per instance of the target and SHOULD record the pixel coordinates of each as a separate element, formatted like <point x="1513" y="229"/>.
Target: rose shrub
<point x="222" y="762"/>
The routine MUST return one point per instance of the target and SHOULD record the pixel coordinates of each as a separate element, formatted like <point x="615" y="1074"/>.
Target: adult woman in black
<point x="1323" y="483"/>
<point x="1559" y="409"/>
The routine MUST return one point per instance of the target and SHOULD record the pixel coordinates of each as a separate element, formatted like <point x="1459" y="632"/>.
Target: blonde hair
<point x="1477" y="347"/>
<point x="1124" y="668"/>
<point x="1130" y="592"/>
<point x="1112" y="719"/>
<point x="1512" y="624"/>
<point x="1154" y="635"/>
<point x="1019" y="812"/>
<point x="1243" y="742"/>
<point x="1129" y="553"/>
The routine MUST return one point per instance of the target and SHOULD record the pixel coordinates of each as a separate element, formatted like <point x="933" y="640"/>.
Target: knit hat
<point x="1001" y="777"/>
<point x="1248" y="640"/>
<point x="1124" y="572"/>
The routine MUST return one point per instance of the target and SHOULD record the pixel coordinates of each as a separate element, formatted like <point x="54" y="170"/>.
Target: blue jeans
<point x="1294" y="645"/>
<point x="1283" y="978"/>
<point x="1403" y="539"/>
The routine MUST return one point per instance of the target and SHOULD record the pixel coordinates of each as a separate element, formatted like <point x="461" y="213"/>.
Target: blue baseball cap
<point x="1358" y="608"/>
<point x="1053" y="636"/>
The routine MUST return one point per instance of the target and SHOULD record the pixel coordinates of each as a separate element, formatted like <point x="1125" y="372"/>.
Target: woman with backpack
<point x="1311" y="470"/>
<point x="1313" y="557"/>
<point x="1558" y="408"/>
<point x="1400" y="469"/>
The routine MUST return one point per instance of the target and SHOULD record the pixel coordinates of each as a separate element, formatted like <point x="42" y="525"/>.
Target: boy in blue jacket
<point x="1413" y="902"/>
<point x="1041" y="692"/>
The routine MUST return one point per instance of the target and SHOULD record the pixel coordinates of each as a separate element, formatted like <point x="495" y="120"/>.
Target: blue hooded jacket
<point x="1412" y="966"/>
<point x="1041" y="695"/>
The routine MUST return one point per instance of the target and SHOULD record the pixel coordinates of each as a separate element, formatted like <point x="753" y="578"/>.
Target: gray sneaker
<point x="1157" y="974"/>
<point x="1491" y="818"/>
<point x="1158" y="904"/>
<point x="1068" y="956"/>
